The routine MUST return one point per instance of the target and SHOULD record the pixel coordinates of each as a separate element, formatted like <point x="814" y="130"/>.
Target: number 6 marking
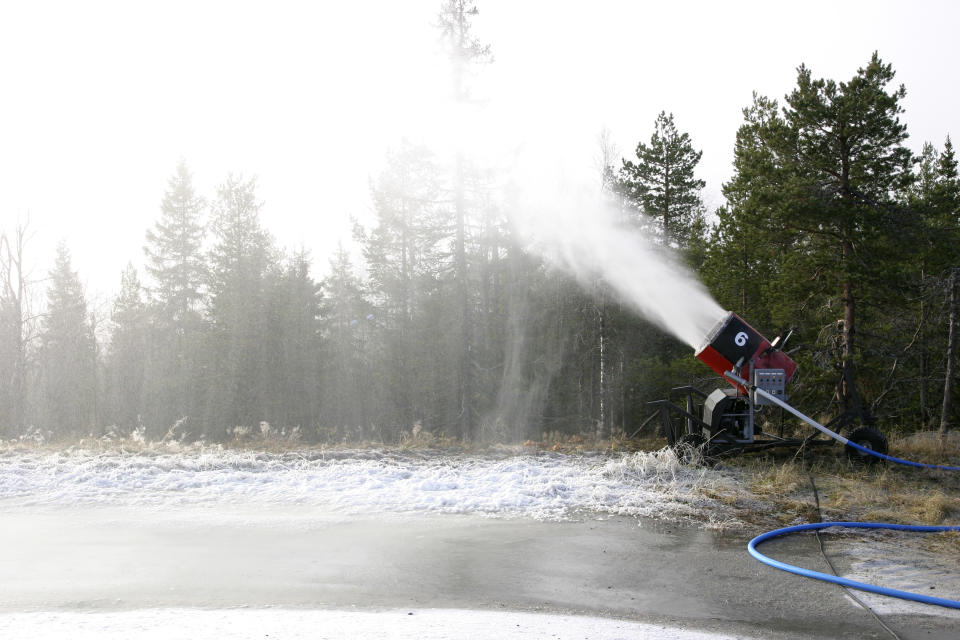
<point x="740" y="339"/>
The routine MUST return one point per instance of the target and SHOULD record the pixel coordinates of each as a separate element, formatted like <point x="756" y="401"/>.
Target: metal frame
<point x="693" y="424"/>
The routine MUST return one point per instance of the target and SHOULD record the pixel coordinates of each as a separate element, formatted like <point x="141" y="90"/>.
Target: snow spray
<point x="586" y="237"/>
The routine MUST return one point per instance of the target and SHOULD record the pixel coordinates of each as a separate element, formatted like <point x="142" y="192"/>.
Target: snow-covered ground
<point x="293" y="624"/>
<point x="289" y="491"/>
<point x="148" y="523"/>
<point x="541" y="486"/>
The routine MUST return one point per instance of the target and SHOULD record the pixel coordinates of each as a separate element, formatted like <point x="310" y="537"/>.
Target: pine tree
<point x="934" y="197"/>
<point x="662" y="184"/>
<point x="744" y="260"/>
<point x="827" y="173"/>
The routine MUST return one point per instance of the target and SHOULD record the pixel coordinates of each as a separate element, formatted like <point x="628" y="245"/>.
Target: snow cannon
<point x="733" y="344"/>
<point x="726" y="418"/>
<point x="739" y="419"/>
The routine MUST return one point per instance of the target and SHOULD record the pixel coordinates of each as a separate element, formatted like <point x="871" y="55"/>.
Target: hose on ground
<point x="853" y="584"/>
<point x="909" y="463"/>
<point x="846" y="582"/>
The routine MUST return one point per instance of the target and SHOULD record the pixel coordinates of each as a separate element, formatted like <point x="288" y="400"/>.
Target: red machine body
<point x="733" y="344"/>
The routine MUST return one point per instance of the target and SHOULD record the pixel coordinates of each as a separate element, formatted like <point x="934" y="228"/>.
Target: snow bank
<point x="543" y="486"/>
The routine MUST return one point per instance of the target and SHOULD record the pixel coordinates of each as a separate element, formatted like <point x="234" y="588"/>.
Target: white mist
<point x="577" y="232"/>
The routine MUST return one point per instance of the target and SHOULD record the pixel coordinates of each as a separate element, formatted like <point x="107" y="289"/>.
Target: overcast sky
<point x="100" y="99"/>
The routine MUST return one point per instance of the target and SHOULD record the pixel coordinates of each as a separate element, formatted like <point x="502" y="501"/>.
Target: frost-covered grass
<point x="549" y="480"/>
<point x="508" y="483"/>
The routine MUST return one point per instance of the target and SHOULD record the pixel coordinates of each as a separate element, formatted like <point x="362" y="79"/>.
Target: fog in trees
<point x="438" y="321"/>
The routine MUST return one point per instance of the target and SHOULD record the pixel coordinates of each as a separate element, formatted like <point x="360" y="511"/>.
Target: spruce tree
<point x="292" y="345"/>
<point x="128" y="355"/>
<point x="351" y="395"/>
<point x="239" y="263"/>
<point x="175" y="264"/>
<point x="67" y="355"/>
<point x="404" y="260"/>
<point x="173" y="249"/>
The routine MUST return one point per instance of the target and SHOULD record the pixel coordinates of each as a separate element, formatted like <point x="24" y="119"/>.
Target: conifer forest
<point x="436" y="318"/>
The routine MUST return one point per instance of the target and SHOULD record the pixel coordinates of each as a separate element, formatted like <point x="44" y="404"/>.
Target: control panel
<point x="773" y="381"/>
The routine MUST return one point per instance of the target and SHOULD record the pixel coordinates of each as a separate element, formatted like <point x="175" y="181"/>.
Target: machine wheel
<point x="692" y="449"/>
<point x="870" y="439"/>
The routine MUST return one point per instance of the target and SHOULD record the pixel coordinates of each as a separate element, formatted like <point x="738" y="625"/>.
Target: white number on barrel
<point x="740" y="339"/>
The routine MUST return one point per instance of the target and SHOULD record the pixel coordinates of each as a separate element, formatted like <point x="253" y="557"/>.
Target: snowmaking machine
<point x="733" y="419"/>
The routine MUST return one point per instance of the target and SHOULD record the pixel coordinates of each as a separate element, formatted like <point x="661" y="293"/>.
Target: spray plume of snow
<point x="576" y="231"/>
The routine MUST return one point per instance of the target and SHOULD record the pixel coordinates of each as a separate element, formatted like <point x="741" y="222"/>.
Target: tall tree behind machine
<point x="662" y="184"/>
<point x="660" y="193"/>
<point x="821" y="181"/>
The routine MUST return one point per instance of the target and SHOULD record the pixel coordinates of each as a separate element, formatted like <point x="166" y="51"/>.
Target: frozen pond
<point x="350" y="545"/>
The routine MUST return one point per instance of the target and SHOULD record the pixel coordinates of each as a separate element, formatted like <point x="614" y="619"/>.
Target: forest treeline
<point x="448" y="325"/>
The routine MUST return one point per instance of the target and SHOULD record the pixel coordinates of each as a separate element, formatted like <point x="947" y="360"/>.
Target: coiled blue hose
<point x="853" y="584"/>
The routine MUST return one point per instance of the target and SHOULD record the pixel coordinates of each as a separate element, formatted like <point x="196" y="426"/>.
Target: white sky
<point x="100" y="99"/>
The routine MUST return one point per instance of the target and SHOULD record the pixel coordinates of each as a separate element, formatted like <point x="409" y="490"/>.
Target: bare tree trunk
<point x="15" y="294"/>
<point x="602" y="431"/>
<point x="844" y="392"/>
<point x="951" y="350"/>
<point x="465" y="368"/>
<point x="922" y="340"/>
<point x="455" y="16"/>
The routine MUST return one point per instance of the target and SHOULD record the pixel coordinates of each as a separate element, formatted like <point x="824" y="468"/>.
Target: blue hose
<point x="909" y="463"/>
<point x="752" y="547"/>
<point x="853" y="584"/>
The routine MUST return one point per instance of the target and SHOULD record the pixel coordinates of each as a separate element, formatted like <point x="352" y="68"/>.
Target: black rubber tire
<point x="869" y="438"/>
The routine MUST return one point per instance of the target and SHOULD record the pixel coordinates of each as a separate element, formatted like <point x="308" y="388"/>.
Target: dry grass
<point x="928" y="446"/>
<point x="947" y="544"/>
<point x="853" y="491"/>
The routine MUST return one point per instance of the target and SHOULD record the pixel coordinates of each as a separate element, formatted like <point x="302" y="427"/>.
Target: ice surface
<point x="893" y="560"/>
<point x="541" y="486"/>
<point x="291" y="624"/>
